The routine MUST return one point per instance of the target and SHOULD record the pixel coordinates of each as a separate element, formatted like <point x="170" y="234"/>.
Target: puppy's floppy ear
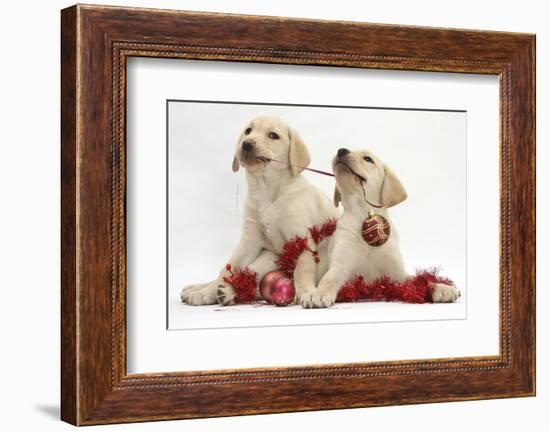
<point x="236" y="164"/>
<point x="392" y="192"/>
<point x="337" y="197"/>
<point x="298" y="154"/>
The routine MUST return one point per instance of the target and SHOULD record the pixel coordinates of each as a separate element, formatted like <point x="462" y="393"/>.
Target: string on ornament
<point x="361" y="179"/>
<point x="305" y="168"/>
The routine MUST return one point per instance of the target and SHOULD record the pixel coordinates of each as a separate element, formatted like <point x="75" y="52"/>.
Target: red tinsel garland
<point x="319" y="233"/>
<point x="244" y="282"/>
<point x="294" y="247"/>
<point x="415" y="290"/>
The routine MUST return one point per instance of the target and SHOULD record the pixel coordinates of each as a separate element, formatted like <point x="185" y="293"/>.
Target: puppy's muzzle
<point x="341" y="155"/>
<point x="342" y="152"/>
<point x="340" y="159"/>
<point x="248" y="146"/>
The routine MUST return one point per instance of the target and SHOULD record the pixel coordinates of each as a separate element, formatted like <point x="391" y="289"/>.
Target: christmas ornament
<point x="267" y="283"/>
<point x="282" y="291"/>
<point x="375" y="230"/>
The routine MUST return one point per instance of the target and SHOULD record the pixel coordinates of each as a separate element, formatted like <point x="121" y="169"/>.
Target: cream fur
<point x="349" y="254"/>
<point x="279" y="205"/>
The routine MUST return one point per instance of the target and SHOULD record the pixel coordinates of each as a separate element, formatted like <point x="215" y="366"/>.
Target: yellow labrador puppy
<point x="362" y="180"/>
<point x="279" y="205"/>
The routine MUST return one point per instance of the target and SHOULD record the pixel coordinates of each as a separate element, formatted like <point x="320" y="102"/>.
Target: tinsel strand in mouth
<point x="318" y="171"/>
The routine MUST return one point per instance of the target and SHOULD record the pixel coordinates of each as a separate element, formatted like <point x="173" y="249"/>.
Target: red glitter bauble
<point x="267" y="283"/>
<point x="282" y="291"/>
<point x="375" y="230"/>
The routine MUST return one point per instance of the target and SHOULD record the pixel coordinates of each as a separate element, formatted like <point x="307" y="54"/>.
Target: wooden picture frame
<point x="95" y="43"/>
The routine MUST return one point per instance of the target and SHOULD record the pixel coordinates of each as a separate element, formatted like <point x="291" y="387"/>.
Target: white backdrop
<point x="151" y="348"/>
<point x="427" y="150"/>
<point x="29" y="222"/>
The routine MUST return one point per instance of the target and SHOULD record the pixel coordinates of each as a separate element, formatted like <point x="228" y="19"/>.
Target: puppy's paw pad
<point x="444" y="292"/>
<point x="225" y="295"/>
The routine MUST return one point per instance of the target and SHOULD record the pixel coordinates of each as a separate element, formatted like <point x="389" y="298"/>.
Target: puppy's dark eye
<point x="273" y="135"/>
<point x="368" y="159"/>
<point x="247" y="131"/>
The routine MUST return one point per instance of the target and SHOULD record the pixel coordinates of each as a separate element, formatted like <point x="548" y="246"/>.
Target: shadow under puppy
<point x="280" y="204"/>
<point x="364" y="185"/>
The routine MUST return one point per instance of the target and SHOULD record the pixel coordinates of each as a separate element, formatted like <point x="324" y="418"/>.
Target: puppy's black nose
<point x="248" y="145"/>
<point x="342" y="152"/>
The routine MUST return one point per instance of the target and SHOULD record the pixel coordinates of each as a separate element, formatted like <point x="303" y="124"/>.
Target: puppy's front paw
<point x="225" y="294"/>
<point x="203" y="296"/>
<point x="186" y="291"/>
<point x="444" y="292"/>
<point x="318" y="298"/>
